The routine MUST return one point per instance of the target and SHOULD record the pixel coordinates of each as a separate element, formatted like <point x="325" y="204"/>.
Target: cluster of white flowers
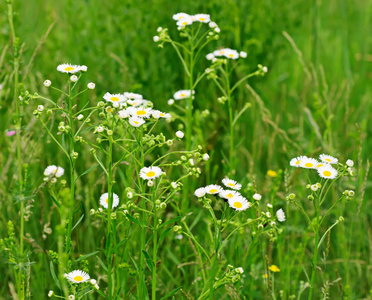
<point x="71" y="69"/>
<point x="324" y="166"/>
<point x="53" y="172"/>
<point x="226" y="52"/>
<point x="184" y="19"/>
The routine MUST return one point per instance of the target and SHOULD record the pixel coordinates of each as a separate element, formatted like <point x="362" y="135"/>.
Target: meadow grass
<point x="314" y="99"/>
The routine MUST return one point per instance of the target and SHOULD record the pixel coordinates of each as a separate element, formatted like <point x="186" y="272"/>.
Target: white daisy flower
<point x="204" y="18"/>
<point x="141" y="111"/>
<point x="221" y="52"/>
<point x="243" y="54"/>
<point x="47" y="83"/>
<point x="212" y="24"/>
<point x="239" y="203"/>
<point x="205" y="156"/>
<point x="295" y="162"/>
<point x="184" y="22"/>
<point x="349" y="163"/>
<point x="83" y="68"/>
<point x="182" y="94"/>
<point x="257" y="197"/>
<point x="229" y="194"/>
<point x="327" y="172"/>
<point x="150" y="172"/>
<point x="50" y="294"/>
<point x="157" y="114"/>
<point x="232" y="54"/>
<point x="200" y="192"/>
<point x="328" y="159"/>
<point x="104" y="199"/>
<point x="74" y="78"/>
<point x="213" y="189"/>
<point x="77" y="276"/>
<point x="209" y="56"/>
<point x="231" y="184"/>
<point x="180" y="134"/>
<point x="91" y="85"/>
<point x="123" y="114"/>
<point x="71" y="297"/>
<point x="309" y="163"/>
<point x="114" y="98"/>
<point x="138" y="102"/>
<point x="239" y="270"/>
<point x="320" y="164"/>
<point x="40" y="108"/>
<point x="132" y="96"/>
<point x="68" y="68"/>
<point x="280" y="215"/>
<point x="180" y="16"/>
<point x="136" y="121"/>
<point x="54" y="170"/>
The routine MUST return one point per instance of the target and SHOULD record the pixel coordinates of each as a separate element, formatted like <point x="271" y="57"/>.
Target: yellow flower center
<point x="141" y="112"/>
<point x="271" y="173"/>
<point x="184" y="23"/>
<point x="150" y="174"/>
<point x="183" y="95"/>
<point x="69" y="69"/>
<point x="327" y="159"/>
<point x="298" y="162"/>
<point x="115" y="99"/>
<point x="202" y="19"/>
<point x="320" y="165"/>
<point x="231" y="55"/>
<point x="327" y="173"/>
<point x="231" y="184"/>
<point x="161" y="114"/>
<point x="308" y="165"/>
<point x="78" y="278"/>
<point x="134" y="103"/>
<point x="213" y="191"/>
<point x="229" y="195"/>
<point x="238" y="204"/>
<point x="136" y="122"/>
<point x="107" y="200"/>
<point x="222" y="52"/>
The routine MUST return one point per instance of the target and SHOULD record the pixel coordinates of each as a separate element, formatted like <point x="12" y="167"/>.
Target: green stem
<point x="231" y="121"/>
<point x="154" y="256"/>
<point x="315" y="258"/>
<point x="109" y="221"/>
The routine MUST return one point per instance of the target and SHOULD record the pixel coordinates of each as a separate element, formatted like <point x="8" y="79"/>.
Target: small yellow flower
<point x="274" y="268"/>
<point x="266" y="275"/>
<point x="271" y="173"/>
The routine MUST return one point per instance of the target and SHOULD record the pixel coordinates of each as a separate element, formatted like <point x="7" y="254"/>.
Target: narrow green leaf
<point x="86" y="172"/>
<point x="134" y="263"/>
<point x="56" y="281"/>
<point x="56" y="202"/>
<point x="102" y="264"/>
<point x="135" y="220"/>
<point x="77" y="223"/>
<point x="171" y="293"/>
<point x="170" y="221"/>
<point x="149" y="261"/>
<point x="80" y="206"/>
<point x="162" y="236"/>
<point x="86" y="255"/>
<point x="118" y="245"/>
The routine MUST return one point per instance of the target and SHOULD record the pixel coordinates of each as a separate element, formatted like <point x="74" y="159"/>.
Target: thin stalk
<point x="109" y="221"/>
<point x="155" y="249"/>
<point x="231" y="121"/>
<point x="315" y="258"/>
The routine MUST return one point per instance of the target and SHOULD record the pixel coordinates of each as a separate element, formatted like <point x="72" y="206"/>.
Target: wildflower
<point x="80" y="117"/>
<point x="264" y="69"/>
<point x="239" y="203"/>
<point x="129" y="195"/>
<point x="274" y="268"/>
<point x="47" y="83"/>
<point x="54" y="170"/>
<point x="68" y="68"/>
<point x="221" y="52"/>
<point x="318" y="165"/>
<point x="204" y="18"/>
<point x="228" y="194"/>
<point x="205" y="156"/>
<point x="327" y="172"/>
<point x="74" y="78"/>
<point x="150" y="172"/>
<point x="268" y="214"/>
<point x="269" y="205"/>
<point x="156" y="39"/>
<point x="83" y="68"/>
<point x="100" y="128"/>
<point x="136" y="121"/>
<point x="170" y="102"/>
<point x="183" y="94"/>
<point x="50" y="294"/>
<point x="159" y="29"/>
<point x="150" y="183"/>
<point x="174" y="185"/>
<point x="308" y="163"/>
<point x="239" y="270"/>
<point x="130" y="95"/>
<point x="295" y="162"/>
<point x="200" y="192"/>
<point x="180" y="16"/>
<point x="93" y="281"/>
<point x="91" y="85"/>
<point x="210" y="56"/>
<point x="180" y="134"/>
<point x="142" y="112"/>
<point x="280" y="215"/>
<point x="212" y="24"/>
<point x="92" y="211"/>
<point x="232" y="54"/>
<point x="114" y="98"/>
<point x="71" y="297"/>
<point x="328" y="159"/>
<point x="40" y="108"/>
<point x="158" y="114"/>
<point x="191" y="161"/>
<point x="184" y="22"/>
<point x="104" y="200"/>
<point x="96" y="286"/>
<point x="257" y="197"/>
<point x="213" y="189"/>
<point x="179" y="237"/>
<point x="231" y="184"/>
<point x="349" y="163"/>
<point x="123" y="114"/>
<point x="314" y="187"/>
<point x="217" y="29"/>
<point x="351" y="193"/>
<point x="77" y="276"/>
<point x="271" y="173"/>
<point x="243" y="54"/>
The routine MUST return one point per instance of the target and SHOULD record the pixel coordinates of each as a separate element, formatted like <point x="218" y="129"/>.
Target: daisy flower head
<point x="47" y="83"/>
<point x="150" y="172"/>
<point x="231" y="184"/>
<point x="232" y="54"/>
<point x="203" y="18"/>
<point x="157" y="114"/>
<point x="182" y="94"/>
<point x="349" y="163"/>
<point x="180" y="16"/>
<point x="328" y="159"/>
<point x="295" y="162"/>
<point x="136" y="121"/>
<point x="77" y="276"/>
<point x="137" y="102"/>
<point x="327" y="172"/>
<point x="309" y="163"/>
<point x="114" y="98"/>
<point x="104" y="200"/>
<point x="54" y="170"/>
<point x="320" y="164"/>
<point x="257" y="197"/>
<point x="229" y="194"/>
<point x="243" y="54"/>
<point x="141" y="112"/>
<point x="221" y="52"/>
<point x="280" y="215"/>
<point x="71" y="297"/>
<point x="239" y="203"/>
<point x="200" y="192"/>
<point x="185" y="21"/>
<point x="213" y="189"/>
<point x="209" y="56"/>
<point x="123" y="114"/>
<point x="132" y="96"/>
<point x="69" y="68"/>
